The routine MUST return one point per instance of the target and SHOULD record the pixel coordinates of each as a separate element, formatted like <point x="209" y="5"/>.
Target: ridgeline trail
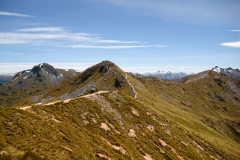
<point x="65" y="101"/>
<point x="135" y="96"/>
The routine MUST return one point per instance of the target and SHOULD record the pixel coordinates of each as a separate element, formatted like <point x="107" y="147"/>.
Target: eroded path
<point x="65" y="101"/>
<point x="135" y="96"/>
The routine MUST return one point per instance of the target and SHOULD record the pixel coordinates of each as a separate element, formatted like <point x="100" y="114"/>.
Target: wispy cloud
<point x="60" y="37"/>
<point x="160" y="46"/>
<point x="48" y="50"/>
<point x="234" y="30"/>
<point x="232" y="44"/>
<point x="115" y="41"/>
<point x="105" y="47"/>
<point x="46" y="29"/>
<point x="11" y="53"/>
<point x="14" y="14"/>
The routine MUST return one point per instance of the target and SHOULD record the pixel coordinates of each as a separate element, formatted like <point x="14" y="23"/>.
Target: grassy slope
<point x="68" y="131"/>
<point x="202" y="111"/>
<point x="190" y="106"/>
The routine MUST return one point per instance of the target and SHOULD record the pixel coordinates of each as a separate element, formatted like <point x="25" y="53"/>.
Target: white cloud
<point x="115" y="41"/>
<point x="54" y="35"/>
<point x="48" y="50"/>
<point x="11" y="53"/>
<point x="59" y="37"/>
<point x="232" y="44"/>
<point x="104" y="47"/>
<point x="46" y="29"/>
<point x="13" y="14"/>
<point x="11" y="41"/>
<point x="181" y="68"/>
<point x="234" y="30"/>
<point x="160" y="46"/>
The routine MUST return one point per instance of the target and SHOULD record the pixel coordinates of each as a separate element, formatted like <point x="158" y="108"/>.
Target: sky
<point x="137" y="35"/>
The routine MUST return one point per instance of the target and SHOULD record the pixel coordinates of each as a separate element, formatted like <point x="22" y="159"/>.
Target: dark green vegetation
<point x="198" y="118"/>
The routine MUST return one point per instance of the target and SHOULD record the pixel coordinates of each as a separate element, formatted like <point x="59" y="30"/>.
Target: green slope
<point x="197" y="119"/>
<point x="113" y="125"/>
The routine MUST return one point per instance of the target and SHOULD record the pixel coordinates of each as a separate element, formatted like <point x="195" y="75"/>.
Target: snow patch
<point x="217" y="69"/>
<point x="25" y="77"/>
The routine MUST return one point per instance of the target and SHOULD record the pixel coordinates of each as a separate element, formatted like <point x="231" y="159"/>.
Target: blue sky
<point x="137" y="35"/>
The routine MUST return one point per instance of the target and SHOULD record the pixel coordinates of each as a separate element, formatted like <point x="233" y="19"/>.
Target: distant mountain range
<point x="5" y="77"/>
<point x="235" y="73"/>
<point x="165" y="75"/>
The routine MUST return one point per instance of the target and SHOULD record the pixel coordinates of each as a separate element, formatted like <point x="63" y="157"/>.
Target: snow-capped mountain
<point x="165" y="75"/>
<point x="235" y="73"/>
<point x="5" y="77"/>
<point x="40" y="75"/>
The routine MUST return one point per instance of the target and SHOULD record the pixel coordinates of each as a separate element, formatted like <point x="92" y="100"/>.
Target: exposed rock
<point x="218" y="80"/>
<point x="94" y="89"/>
<point x="120" y="80"/>
<point x="78" y="92"/>
<point x="46" y="99"/>
<point x="166" y="97"/>
<point x="216" y="96"/>
<point x="104" y="126"/>
<point x="233" y="86"/>
<point x="35" y="98"/>
<point x="132" y="133"/>
<point x="135" y="112"/>
<point x="86" y="75"/>
<point x="151" y="128"/>
<point x="104" y="68"/>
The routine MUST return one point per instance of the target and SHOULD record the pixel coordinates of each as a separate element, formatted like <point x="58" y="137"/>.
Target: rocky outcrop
<point x="78" y="92"/>
<point x="94" y="89"/>
<point x="120" y="81"/>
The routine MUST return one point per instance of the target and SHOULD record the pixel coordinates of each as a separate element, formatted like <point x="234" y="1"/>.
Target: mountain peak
<point x="235" y="73"/>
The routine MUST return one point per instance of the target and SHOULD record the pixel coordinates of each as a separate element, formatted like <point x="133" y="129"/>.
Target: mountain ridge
<point x="118" y="115"/>
<point x="235" y="73"/>
<point x="165" y="75"/>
